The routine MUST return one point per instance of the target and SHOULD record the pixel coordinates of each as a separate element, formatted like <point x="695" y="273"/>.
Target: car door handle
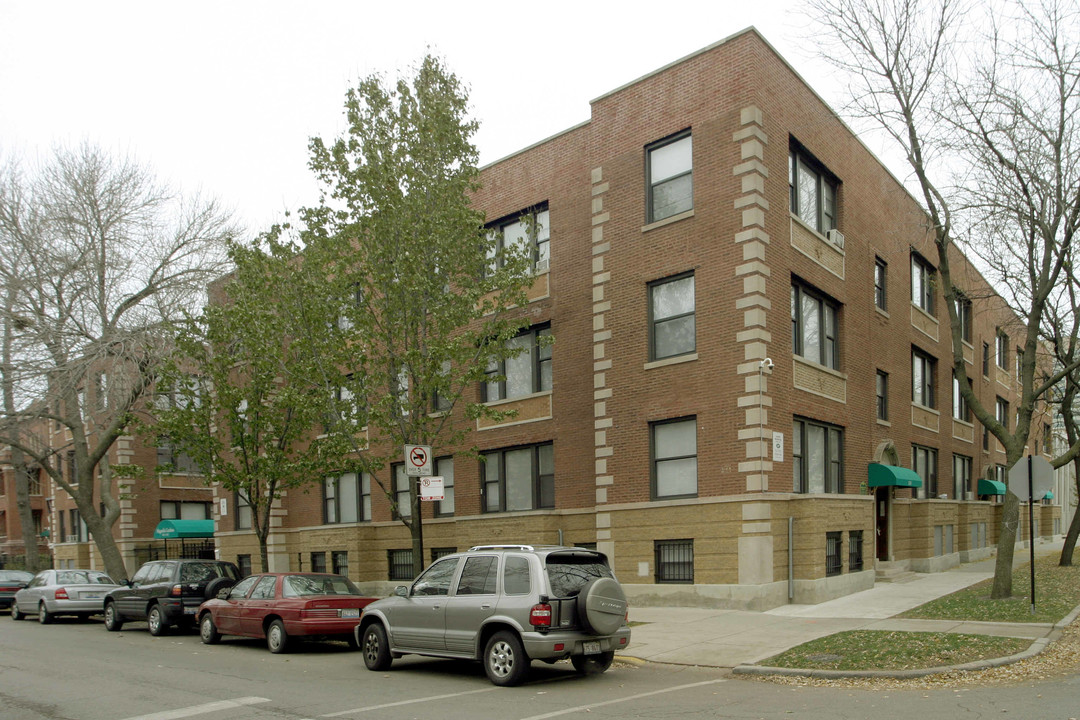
<point x="485" y="606"/>
<point x="436" y="607"/>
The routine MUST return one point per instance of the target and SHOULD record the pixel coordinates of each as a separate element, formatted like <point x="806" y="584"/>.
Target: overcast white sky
<point x="223" y="95"/>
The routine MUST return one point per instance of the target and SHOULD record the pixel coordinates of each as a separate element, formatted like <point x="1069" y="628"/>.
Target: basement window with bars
<point x="833" y="541"/>
<point x="674" y="561"/>
<point x="855" y="550"/>
<point x="401" y="565"/>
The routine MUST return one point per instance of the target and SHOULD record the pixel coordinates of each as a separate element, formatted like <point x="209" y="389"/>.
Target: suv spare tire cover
<point x="216" y="585"/>
<point x="601" y="606"/>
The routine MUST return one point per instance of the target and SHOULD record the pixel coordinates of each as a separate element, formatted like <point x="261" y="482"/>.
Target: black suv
<point x="167" y="592"/>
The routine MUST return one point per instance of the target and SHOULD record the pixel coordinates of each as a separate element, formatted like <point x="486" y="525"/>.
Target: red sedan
<point x="282" y="606"/>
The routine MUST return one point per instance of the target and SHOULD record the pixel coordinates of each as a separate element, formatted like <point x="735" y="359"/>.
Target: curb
<point x="1037" y="646"/>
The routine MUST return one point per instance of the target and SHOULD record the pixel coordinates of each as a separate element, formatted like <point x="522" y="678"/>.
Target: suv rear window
<point x="569" y="572"/>
<point x="204" y="572"/>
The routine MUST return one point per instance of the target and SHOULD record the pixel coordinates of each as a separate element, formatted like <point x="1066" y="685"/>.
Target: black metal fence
<point x="185" y="549"/>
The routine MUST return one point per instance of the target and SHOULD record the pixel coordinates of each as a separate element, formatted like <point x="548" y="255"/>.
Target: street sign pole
<point x="1031" y="527"/>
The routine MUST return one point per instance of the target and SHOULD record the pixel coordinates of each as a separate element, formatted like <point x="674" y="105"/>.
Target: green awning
<point x="991" y="487"/>
<point x="886" y="475"/>
<point x="167" y="529"/>
<point x="1048" y="496"/>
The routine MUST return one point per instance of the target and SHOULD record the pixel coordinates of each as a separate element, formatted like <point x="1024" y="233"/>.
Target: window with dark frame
<point x="923" y="282"/>
<point x="881" y="269"/>
<point x="674" y="561"/>
<point x="1002" y="411"/>
<point x="185" y="510"/>
<point x="528" y="231"/>
<point x="669" y="167"/>
<point x="524" y="374"/>
<point x="342" y="497"/>
<point x="882" y="395"/>
<point x="400" y="564"/>
<point x="318" y="561"/>
<point x="1019" y="364"/>
<point x="924" y="463"/>
<point x="402" y="495"/>
<point x="855" y="550"/>
<point x="960" y="408"/>
<point x="962" y="471"/>
<point x="923" y="370"/>
<point x="814" y="326"/>
<point x="673" y="445"/>
<point x="1001" y="349"/>
<point x="986" y="360"/>
<point x="243" y="564"/>
<point x="444" y="468"/>
<point x="520" y="478"/>
<point x="963" y="315"/>
<point x="437" y="553"/>
<point x="986" y="438"/>
<point x="817" y="457"/>
<point x="175" y="458"/>
<point x="672" y="317"/>
<point x="812" y="191"/>
<point x="340" y="562"/>
<point x="833" y="562"/>
<point x="243" y="511"/>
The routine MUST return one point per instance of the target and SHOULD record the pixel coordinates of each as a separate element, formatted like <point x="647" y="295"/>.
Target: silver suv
<point x="504" y="605"/>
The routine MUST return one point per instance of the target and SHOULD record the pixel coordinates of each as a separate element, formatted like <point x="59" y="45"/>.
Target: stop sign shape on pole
<point x="1042" y="478"/>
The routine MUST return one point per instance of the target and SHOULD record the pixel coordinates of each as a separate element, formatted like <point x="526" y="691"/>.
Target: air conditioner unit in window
<point x="542" y="265"/>
<point x="836" y="237"/>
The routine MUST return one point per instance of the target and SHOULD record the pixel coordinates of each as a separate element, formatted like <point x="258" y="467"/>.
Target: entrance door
<point x="881" y="522"/>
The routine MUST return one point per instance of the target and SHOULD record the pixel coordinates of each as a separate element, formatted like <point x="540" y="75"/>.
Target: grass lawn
<point x="889" y="650"/>
<point x="1057" y="592"/>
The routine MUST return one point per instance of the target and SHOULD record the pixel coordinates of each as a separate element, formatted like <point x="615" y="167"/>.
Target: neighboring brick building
<point x="725" y="369"/>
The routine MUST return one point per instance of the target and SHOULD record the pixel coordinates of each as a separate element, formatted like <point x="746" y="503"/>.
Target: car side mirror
<point x="223" y="593"/>
<point x="129" y="583"/>
<point x="402" y="591"/>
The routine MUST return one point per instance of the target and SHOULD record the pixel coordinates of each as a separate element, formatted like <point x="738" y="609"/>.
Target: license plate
<point x="350" y="612"/>
<point x="590" y="648"/>
<point x="90" y="596"/>
<point x="190" y="610"/>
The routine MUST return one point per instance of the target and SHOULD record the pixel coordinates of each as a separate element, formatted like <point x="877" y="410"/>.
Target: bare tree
<point x="109" y="259"/>
<point x="989" y="138"/>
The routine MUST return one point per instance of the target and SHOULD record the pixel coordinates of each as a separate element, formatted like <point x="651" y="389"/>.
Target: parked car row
<point x="504" y="605"/>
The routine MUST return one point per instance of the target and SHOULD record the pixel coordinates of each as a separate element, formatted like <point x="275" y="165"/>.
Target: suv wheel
<point x="113" y="621"/>
<point x="208" y="632"/>
<point x="43" y="615"/>
<point x="505" y="661"/>
<point x="276" y="637"/>
<point x="155" y="619"/>
<point x="592" y="664"/>
<point x="376" y="648"/>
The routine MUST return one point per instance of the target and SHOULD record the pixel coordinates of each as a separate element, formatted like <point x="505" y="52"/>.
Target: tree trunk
<point x="1074" y="526"/>
<point x="101" y="532"/>
<point x="1006" y="546"/>
<point x="26" y="513"/>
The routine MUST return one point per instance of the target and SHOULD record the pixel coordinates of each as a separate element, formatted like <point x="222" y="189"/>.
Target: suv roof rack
<point x="527" y="548"/>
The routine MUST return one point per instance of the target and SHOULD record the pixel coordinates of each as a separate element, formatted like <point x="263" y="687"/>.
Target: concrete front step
<point x="894" y="575"/>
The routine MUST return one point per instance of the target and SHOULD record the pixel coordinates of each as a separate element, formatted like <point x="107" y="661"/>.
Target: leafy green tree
<point x="426" y="302"/>
<point x="240" y="396"/>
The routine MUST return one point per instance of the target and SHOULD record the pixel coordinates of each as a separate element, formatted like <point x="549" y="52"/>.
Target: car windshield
<point x="83" y="577"/>
<point x="568" y="573"/>
<point x="16" y="575"/>
<point x="205" y="572"/>
<point x="304" y="585"/>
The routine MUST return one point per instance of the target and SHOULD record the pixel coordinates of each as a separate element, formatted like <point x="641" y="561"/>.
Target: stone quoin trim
<point x="601" y="363"/>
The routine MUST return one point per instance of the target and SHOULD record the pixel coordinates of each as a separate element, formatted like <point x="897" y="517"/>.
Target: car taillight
<point x="60" y="594"/>
<point x="540" y="615"/>
<point x="177" y="591"/>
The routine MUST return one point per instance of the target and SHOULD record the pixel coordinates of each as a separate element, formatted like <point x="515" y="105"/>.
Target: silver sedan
<point x="62" y="592"/>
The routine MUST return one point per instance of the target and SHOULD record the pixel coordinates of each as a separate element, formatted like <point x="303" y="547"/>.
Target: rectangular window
<point x="669" y="165"/>
<point x="444" y="468"/>
<point x="1002" y="412"/>
<point x="814" y="327"/>
<point x="340" y="560"/>
<point x="674" y="561"/>
<point x="527" y="232"/>
<point x="923" y="281"/>
<point x="986" y="438"/>
<point x="439" y="552"/>
<point x="101" y="391"/>
<point x="923" y="369"/>
<point x="1019" y="365"/>
<point x="882" y="395"/>
<point x="880" y="274"/>
<point x="243" y="511"/>
<point x="528" y="372"/>
<point x="672" y="317"/>
<point x="855" y="550"/>
<point x="185" y="510"/>
<point x="243" y="564"/>
<point x="401" y="564"/>
<point x="33" y="480"/>
<point x="402" y="496"/>
<point x="174" y="458"/>
<point x="833" y="543"/>
<point x="817" y="457"/>
<point x="812" y="191"/>
<point x="962" y="466"/>
<point x="1001" y="349"/>
<point x="674" y="458"/>
<point x="521" y="478"/>
<point x="341" y="498"/>
<point x="924" y="463"/>
<point x="963" y="316"/>
<point x="960" y="409"/>
<point x="318" y="561"/>
<point x="986" y="360"/>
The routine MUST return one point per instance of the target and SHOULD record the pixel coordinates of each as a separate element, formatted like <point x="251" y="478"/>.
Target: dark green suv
<point x="504" y="605"/>
<point x="167" y="592"/>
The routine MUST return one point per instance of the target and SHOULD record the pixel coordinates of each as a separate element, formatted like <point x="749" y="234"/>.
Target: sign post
<point x="1027" y="481"/>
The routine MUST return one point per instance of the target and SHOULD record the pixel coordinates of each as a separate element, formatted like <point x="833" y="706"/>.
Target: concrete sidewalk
<point x="728" y="638"/>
